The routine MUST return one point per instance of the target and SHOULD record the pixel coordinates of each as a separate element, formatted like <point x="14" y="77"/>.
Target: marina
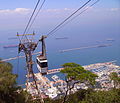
<point x="53" y="85"/>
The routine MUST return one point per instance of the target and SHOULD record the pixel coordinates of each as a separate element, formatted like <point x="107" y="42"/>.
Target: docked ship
<point x="104" y="45"/>
<point x="61" y="38"/>
<point x="110" y="39"/>
<point x="10" y="46"/>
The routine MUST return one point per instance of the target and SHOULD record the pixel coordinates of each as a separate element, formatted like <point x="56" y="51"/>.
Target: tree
<point x="111" y="96"/>
<point x="114" y="77"/>
<point x="9" y="91"/>
<point x="7" y="80"/>
<point x="77" y="74"/>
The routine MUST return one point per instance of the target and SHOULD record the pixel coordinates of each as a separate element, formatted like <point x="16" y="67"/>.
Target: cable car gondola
<point x="42" y="63"/>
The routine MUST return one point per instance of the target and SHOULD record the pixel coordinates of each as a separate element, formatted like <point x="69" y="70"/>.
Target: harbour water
<point x="56" y="59"/>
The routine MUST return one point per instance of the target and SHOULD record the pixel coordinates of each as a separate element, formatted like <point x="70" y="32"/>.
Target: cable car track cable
<point x="68" y="18"/>
<point x="30" y="19"/>
<point x="76" y="15"/>
<point x="36" y="15"/>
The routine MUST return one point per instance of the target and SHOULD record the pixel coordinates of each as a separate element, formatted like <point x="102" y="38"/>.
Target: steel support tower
<point x="28" y="47"/>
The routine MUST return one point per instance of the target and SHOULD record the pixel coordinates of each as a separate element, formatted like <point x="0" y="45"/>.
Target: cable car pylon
<point x="28" y="47"/>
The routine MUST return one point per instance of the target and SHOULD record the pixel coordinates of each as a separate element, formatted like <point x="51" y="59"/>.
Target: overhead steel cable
<point x="36" y="15"/>
<point x="84" y="10"/>
<point x="77" y="15"/>
<point x="30" y="19"/>
<point x="68" y="18"/>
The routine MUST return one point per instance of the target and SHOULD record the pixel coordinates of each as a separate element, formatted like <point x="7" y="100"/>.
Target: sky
<point x="14" y="14"/>
<point x="12" y="4"/>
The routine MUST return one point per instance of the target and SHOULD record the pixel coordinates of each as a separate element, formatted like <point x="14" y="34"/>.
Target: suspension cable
<point x="77" y="15"/>
<point x="36" y="15"/>
<point x="50" y="33"/>
<point x="84" y="10"/>
<point x="30" y="19"/>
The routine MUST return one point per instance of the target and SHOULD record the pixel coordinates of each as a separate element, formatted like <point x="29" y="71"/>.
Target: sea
<point x="74" y="38"/>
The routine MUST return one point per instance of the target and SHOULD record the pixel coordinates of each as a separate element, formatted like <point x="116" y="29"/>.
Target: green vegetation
<point x="114" y="77"/>
<point x="74" y="71"/>
<point x="77" y="74"/>
<point x="11" y="93"/>
<point x="91" y="96"/>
